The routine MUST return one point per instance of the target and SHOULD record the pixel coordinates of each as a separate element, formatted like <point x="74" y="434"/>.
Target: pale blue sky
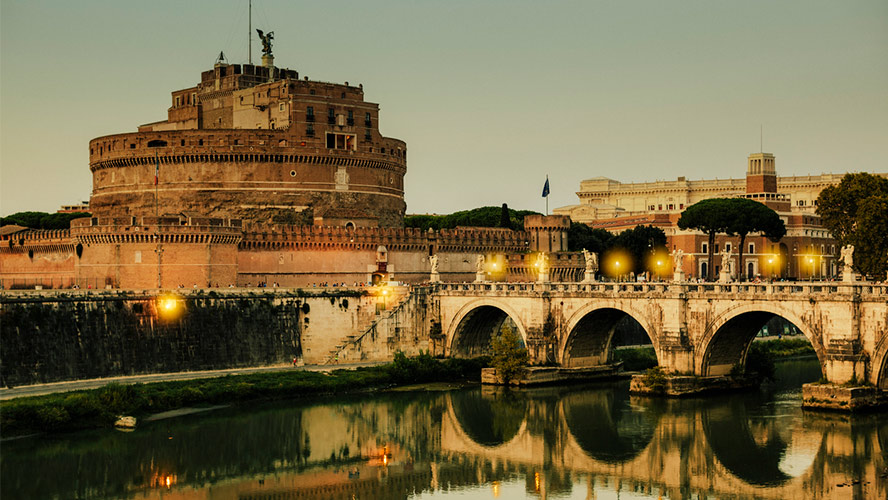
<point x="490" y="95"/>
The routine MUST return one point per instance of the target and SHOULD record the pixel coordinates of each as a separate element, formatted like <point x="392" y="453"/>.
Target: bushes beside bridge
<point x="99" y="407"/>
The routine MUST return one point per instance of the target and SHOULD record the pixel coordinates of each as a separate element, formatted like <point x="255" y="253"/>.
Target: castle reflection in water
<point x="566" y="442"/>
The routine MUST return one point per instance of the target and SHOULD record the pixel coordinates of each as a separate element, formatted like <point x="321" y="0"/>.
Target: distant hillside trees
<point x="477" y="217"/>
<point x="41" y="220"/>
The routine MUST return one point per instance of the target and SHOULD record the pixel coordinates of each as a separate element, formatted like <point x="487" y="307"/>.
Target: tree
<point x="711" y="216"/>
<point x="42" y="220"/>
<point x="505" y="218"/>
<point x="477" y="217"/>
<point x="838" y="205"/>
<point x="580" y="236"/>
<point x="639" y="242"/>
<point x="507" y="354"/>
<point x="749" y="216"/>
<point x="855" y="211"/>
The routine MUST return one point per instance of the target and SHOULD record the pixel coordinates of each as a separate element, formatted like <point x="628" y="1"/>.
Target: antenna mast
<point x="250" y="33"/>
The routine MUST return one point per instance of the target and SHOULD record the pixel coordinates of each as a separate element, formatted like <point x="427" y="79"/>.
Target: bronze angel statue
<point x="266" y="41"/>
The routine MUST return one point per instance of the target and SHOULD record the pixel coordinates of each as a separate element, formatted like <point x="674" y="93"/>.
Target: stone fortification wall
<point x="32" y="258"/>
<point x="247" y="174"/>
<point x="55" y="336"/>
<point x="306" y="255"/>
<point x="126" y="252"/>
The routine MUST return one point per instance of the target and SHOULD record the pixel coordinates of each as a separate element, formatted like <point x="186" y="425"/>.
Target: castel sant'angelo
<point x="256" y="176"/>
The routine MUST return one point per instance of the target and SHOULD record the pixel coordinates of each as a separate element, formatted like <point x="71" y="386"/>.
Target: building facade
<point x="807" y="251"/>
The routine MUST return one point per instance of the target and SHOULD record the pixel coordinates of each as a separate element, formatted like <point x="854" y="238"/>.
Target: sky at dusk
<point x="490" y="96"/>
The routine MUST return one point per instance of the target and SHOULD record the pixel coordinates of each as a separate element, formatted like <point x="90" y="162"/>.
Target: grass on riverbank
<point x="99" y="407"/>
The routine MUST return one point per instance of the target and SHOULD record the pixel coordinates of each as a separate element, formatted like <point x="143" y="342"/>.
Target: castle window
<point x="367" y="121"/>
<point x="200" y="142"/>
<point x="351" y="118"/>
<point x="728" y="247"/>
<point x="752" y="248"/>
<point x="681" y="206"/>
<point x="283" y="106"/>
<point x="237" y="142"/>
<point x="331" y="116"/>
<point x="671" y="207"/>
<point x="651" y="207"/>
<point x="659" y="207"/>
<point x="705" y="248"/>
<point x="309" y="114"/>
<point x="132" y="146"/>
<point x="309" y="130"/>
<point x="311" y="92"/>
<point x="343" y="95"/>
<point x="368" y="136"/>
<point x="341" y="141"/>
<point x="182" y="142"/>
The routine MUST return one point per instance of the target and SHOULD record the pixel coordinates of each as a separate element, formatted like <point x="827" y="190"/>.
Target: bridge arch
<point x="727" y="338"/>
<point x="590" y="331"/>
<point x="879" y="366"/>
<point x="475" y="324"/>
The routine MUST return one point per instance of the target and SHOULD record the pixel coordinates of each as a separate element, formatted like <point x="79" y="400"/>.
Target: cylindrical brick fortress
<point x="248" y="174"/>
<point x="256" y="143"/>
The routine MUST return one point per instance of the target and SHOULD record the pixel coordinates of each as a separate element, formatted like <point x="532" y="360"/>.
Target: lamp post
<point x="811" y="261"/>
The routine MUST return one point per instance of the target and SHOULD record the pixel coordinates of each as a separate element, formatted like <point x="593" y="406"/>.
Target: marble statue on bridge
<point x="480" y="275"/>
<point x="847" y="259"/>
<point x="678" y="265"/>
<point x="725" y="274"/>
<point x="591" y="265"/>
<point x="542" y="265"/>
<point x="435" y="277"/>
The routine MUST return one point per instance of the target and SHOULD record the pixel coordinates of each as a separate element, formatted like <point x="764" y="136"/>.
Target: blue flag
<point x="546" y="187"/>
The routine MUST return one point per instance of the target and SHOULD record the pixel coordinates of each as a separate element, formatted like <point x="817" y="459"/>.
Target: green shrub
<point x="637" y="359"/>
<point x="507" y="355"/>
<point x="655" y="379"/>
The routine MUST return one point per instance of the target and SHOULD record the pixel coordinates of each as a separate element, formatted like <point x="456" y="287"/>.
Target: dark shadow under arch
<point x="730" y="344"/>
<point x="589" y="342"/>
<point x="606" y="426"/>
<point x="489" y="419"/>
<point x="474" y="331"/>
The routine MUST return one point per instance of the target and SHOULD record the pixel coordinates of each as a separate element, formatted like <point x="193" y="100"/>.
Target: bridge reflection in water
<point x="480" y="443"/>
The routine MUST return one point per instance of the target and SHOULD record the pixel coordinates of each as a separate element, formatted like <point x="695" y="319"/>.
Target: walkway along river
<point x="557" y="442"/>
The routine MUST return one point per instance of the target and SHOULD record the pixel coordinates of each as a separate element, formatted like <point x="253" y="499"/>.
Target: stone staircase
<point x="349" y="347"/>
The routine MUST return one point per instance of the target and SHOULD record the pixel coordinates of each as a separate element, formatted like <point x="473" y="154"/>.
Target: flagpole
<point x="157" y="217"/>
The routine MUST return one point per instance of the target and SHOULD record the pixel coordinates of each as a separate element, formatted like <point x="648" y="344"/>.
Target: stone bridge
<point x="702" y="329"/>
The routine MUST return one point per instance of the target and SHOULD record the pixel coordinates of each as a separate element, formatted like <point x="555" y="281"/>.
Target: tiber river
<point x="592" y="441"/>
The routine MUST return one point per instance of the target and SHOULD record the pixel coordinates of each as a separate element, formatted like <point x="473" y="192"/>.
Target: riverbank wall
<point x="52" y="336"/>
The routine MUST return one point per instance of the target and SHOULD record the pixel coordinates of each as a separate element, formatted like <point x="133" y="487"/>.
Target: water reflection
<point x="567" y="442"/>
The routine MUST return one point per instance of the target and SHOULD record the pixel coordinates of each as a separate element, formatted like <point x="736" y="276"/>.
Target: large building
<point x="806" y="251"/>
<point x="260" y="144"/>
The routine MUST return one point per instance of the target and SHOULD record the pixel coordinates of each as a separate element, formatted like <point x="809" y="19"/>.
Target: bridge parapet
<point x="863" y="289"/>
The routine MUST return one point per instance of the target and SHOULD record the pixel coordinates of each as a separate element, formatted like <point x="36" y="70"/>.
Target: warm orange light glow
<point x="169" y="306"/>
<point x="496" y="489"/>
<point x="617" y="263"/>
<point x="536" y="481"/>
